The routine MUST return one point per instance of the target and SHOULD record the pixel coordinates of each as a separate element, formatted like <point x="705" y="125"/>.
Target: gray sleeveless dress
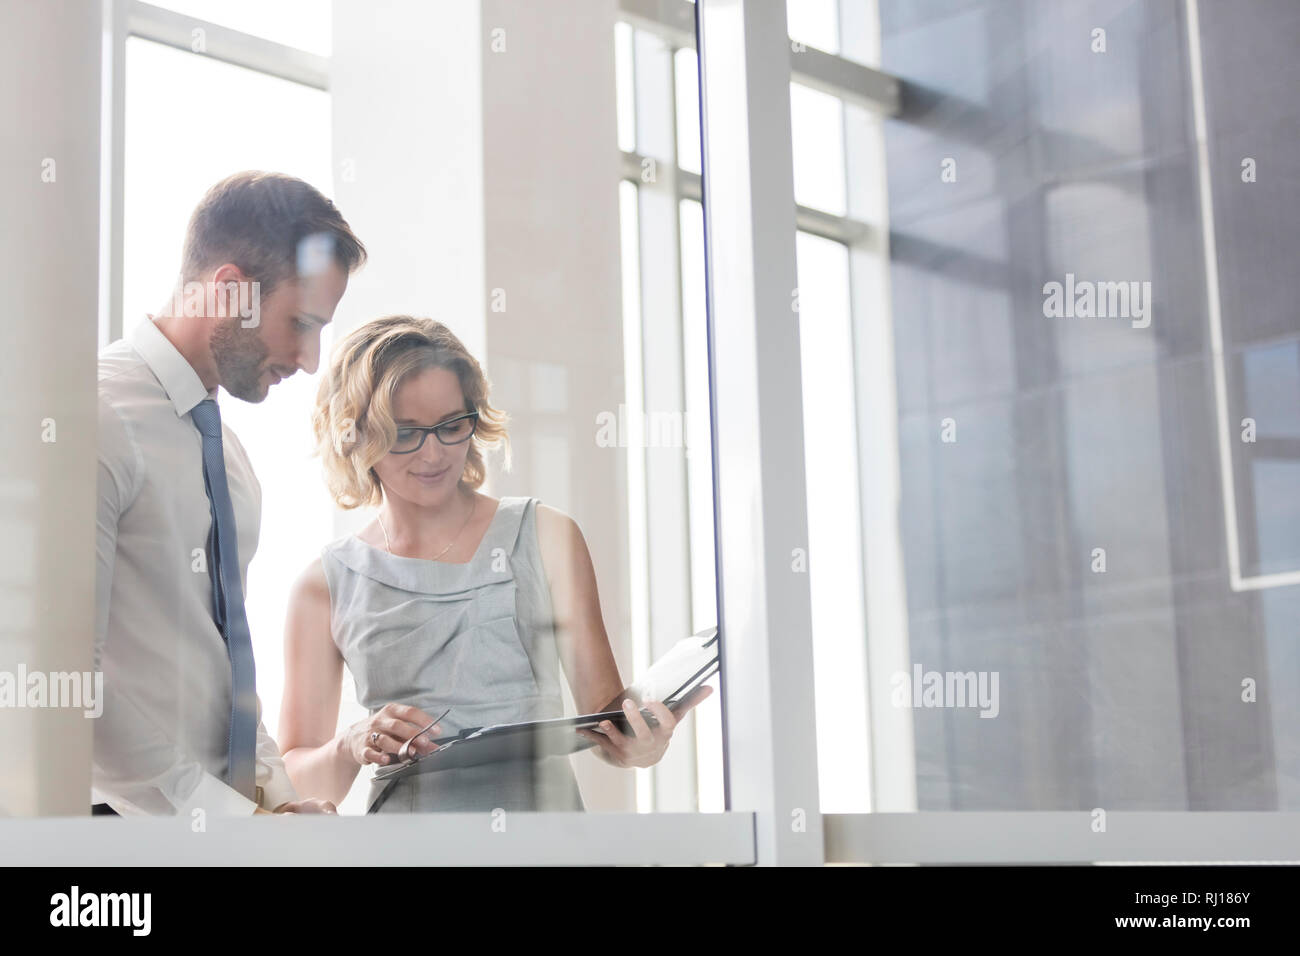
<point x="477" y="637"/>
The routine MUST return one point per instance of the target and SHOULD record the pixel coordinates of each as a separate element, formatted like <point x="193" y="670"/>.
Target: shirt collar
<point x="177" y="377"/>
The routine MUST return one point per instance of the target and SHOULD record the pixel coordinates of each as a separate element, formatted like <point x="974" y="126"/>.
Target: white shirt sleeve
<point x="134" y="759"/>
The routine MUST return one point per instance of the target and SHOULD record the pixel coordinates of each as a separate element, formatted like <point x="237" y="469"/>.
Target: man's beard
<point x="239" y="354"/>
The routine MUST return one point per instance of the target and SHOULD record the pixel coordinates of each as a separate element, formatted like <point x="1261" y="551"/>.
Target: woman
<point x="448" y="599"/>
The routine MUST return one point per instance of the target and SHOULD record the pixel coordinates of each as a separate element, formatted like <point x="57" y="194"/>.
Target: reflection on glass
<point x="1070" y="636"/>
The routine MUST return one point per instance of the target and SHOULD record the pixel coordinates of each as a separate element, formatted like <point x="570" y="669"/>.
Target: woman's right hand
<point x="394" y="725"/>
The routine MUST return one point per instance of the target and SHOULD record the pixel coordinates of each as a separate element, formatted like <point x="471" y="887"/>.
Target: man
<point x="265" y="262"/>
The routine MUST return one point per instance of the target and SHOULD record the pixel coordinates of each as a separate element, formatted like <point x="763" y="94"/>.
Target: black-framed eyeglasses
<point x="454" y="431"/>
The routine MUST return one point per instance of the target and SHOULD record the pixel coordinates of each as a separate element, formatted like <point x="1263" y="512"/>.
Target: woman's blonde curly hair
<point x="353" y="418"/>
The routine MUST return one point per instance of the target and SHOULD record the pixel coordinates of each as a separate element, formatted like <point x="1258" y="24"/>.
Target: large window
<point x="193" y="58"/>
<point x="168" y="90"/>
<point x="667" y="361"/>
<point x="288" y="132"/>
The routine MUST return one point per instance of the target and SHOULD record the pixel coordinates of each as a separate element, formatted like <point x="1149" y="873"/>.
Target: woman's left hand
<point x="646" y="745"/>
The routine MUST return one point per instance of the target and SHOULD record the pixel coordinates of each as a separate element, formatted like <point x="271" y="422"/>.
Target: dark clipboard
<point x="535" y="739"/>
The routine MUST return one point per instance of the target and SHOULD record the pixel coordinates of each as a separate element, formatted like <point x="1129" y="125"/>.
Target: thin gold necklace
<point x="389" y="546"/>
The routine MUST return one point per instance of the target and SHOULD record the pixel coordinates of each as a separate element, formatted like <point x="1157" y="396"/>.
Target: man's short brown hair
<point x="258" y="221"/>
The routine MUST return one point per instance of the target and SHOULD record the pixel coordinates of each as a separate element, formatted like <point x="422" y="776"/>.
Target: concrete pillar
<point x="49" y="191"/>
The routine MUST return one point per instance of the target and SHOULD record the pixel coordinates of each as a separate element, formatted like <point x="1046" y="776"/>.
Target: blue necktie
<point x="228" y="602"/>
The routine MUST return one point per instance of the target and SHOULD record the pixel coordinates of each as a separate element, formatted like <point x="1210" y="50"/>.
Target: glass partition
<point x="1074" y="400"/>
<point x="546" y="210"/>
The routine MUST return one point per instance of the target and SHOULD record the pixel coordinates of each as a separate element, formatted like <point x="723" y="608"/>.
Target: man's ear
<point x="225" y="285"/>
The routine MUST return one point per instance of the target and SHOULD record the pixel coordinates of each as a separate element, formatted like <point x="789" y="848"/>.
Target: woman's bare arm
<point x="581" y="640"/>
<point x="588" y="660"/>
<point x="316" y="758"/>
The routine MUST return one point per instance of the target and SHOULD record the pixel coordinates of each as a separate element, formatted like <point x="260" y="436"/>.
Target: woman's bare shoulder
<point x="311" y="587"/>
<point x="555" y="527"/>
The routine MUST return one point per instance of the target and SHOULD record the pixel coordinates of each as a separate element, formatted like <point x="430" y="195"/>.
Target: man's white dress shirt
<point x="161" y="742"/>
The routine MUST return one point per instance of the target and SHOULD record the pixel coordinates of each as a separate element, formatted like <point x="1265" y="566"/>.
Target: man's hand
<point x="311" y="805"/>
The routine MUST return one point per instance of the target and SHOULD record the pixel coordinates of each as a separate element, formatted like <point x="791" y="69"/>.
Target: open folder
<point x="672" y="679"/>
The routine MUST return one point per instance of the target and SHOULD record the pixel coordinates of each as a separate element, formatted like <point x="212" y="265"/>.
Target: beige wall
<point x="49" y="96"/>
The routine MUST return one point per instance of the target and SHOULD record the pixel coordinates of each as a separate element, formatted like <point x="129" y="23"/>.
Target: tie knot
<point x="207" y="418"/>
